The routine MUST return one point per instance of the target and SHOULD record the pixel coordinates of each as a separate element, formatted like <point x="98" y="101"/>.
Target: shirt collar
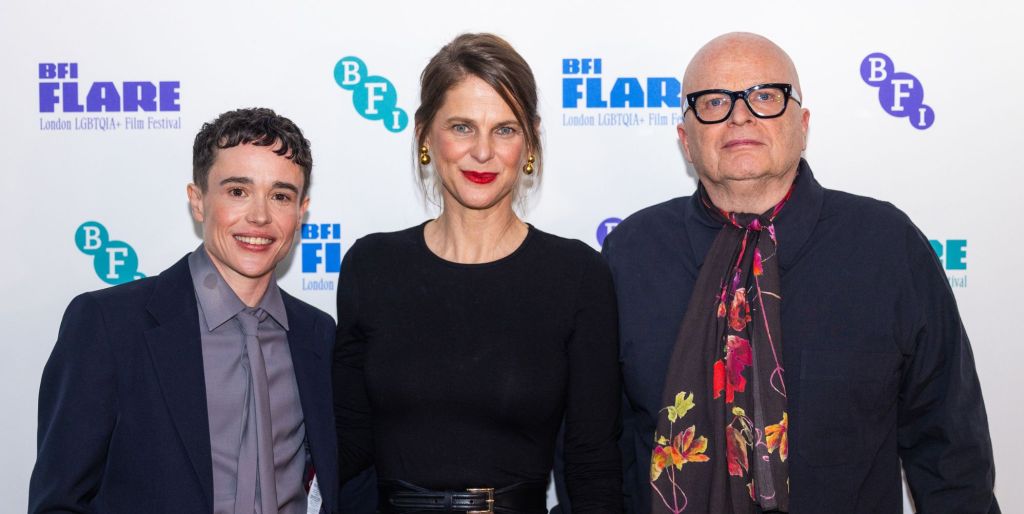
<point x="793" y="225"/>
<point x="274" y="304"/>
<point x="218" y="301"/>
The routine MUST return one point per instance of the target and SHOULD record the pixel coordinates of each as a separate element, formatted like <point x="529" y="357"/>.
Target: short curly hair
<point x="257" y="126"/>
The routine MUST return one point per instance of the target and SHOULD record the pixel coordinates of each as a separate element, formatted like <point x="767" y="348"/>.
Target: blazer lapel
<point x="307" y="359"/>
<point x="175" y="346"/>
<point x="312" y="375"/>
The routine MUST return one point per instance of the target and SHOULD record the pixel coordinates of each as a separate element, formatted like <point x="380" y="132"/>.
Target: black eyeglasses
<point x="764" y="101"/>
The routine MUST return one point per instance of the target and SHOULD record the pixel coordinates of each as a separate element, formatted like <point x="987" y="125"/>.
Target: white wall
<point x="957" y="179"/>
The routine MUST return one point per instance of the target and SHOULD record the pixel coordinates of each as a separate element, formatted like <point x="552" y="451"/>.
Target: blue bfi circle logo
<point x="115" y="262"/>
<point x="374" y="97"/>
<point x="605" y="227"/>
<point x="901" y="94"/>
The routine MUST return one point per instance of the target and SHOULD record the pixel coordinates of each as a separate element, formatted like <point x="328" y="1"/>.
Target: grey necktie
<point x="257" y="488"/>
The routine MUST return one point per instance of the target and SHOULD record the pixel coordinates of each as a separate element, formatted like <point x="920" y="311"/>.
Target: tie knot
<point x="250" y="320"/>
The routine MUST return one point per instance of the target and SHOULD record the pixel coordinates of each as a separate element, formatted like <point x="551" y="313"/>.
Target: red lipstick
<point x="480" y="177"/>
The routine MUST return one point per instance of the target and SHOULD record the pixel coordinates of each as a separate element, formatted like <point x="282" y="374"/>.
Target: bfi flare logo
<point x="583" y="80"/>
<point x="68" y="103"/>
<point x="59" y="85"/>
<point x="373" y="96"/>
<point x="590" y="98"/>
<point x="320" y="252"/>
<point x="115" y="262"/>
<point x="953" y="255"/>
<point x="901" y="94"/>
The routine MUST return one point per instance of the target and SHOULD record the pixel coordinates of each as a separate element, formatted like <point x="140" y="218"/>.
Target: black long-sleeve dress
<point x="453" y="375"/>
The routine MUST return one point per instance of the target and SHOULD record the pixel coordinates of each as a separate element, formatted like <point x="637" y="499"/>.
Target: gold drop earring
<point x="528" y="167"/>
<point x="424" y="156"/>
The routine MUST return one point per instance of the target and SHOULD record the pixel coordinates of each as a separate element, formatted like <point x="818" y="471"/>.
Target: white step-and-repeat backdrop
<point x="916" y="103"/>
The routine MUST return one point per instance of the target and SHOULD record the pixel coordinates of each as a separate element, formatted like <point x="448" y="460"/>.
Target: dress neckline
<point x="422" y="240"/>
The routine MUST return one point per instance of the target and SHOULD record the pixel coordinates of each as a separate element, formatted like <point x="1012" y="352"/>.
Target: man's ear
<point x="805" y="123"/>
<point x="684" y="140"/>
<point x="195" y="199"/>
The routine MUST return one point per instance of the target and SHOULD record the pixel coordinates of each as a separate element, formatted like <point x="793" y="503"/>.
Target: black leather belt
<point x="400" y="497"/>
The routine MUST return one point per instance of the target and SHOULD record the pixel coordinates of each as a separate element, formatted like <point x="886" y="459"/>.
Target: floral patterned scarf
<point x="721" y="443"/>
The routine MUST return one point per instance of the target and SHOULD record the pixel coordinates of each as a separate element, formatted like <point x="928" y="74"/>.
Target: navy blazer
<point x="123" y="425"/>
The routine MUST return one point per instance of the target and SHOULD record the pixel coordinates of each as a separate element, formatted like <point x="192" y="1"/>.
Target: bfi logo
<point x="115" y="262"/>
<point x="952" y="253"/>
<point x="582" y="81"/>
<point x="58" y="84"/>
<point x="321" y="248"/>
<point x="605" y="227"/>
<point x="374" y="97"/>
<point x="900" y="93"/>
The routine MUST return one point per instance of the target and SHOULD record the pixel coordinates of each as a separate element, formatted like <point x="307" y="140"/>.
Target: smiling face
<point x="477" y="147"/>
<point x="250" y="211"/>
<point x="743" y="147"/>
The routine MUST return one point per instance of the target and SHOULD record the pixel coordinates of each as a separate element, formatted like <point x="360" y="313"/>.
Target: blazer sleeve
<point x="77" y="413"/>
<point x="943" y="431"/>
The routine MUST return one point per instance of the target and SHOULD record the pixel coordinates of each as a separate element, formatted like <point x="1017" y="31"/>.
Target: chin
<point x="255" y="269"/>
<point x="480" y="202"/>
<point x="745" y="175"/>
<point x="746" y="170"/>
<point x="478" y="206"/>
<point x="252" y="272"/>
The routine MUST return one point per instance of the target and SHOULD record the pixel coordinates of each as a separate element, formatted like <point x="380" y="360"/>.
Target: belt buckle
<point x="489" y="491"/>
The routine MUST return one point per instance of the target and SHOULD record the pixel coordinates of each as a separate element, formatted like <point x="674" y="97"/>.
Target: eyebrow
<point x="248" y="181"/>
<point x="467" y="121"/>
<point x="236" y="180"/>
<point x="286" y="185"/>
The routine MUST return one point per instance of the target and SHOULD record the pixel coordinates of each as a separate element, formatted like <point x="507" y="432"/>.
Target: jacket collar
<point x="175" y="347"/>
<point x="793" y="225"/>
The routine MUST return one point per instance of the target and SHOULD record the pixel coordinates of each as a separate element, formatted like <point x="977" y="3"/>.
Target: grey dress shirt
<point x="224" y="362"/>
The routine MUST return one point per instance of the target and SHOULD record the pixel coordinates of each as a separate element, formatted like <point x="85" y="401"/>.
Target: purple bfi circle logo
<point x="901" y="94"/>
<point x="605" y="227"/>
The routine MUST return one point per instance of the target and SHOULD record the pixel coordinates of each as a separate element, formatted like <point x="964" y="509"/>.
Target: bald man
<point x="786" y="347"/>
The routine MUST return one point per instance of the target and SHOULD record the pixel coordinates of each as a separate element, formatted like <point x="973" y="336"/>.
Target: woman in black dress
<point x="466" y="341"/>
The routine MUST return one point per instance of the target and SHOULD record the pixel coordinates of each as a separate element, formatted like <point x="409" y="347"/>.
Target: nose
<point x="741" y="113"/>
<point x="258" y="212"/>
<point x="483" y="148"/>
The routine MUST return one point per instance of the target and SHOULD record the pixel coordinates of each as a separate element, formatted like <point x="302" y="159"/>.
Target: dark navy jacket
<point x="879" y="369"/>
<point x="123" y="425"/>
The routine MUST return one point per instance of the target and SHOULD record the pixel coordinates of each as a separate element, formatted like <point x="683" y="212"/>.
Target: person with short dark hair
<point x="256" y="126"/>
<point x="205" y="389"/>
<point x="787" y="348"/>
<point x="465" y="341"/>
